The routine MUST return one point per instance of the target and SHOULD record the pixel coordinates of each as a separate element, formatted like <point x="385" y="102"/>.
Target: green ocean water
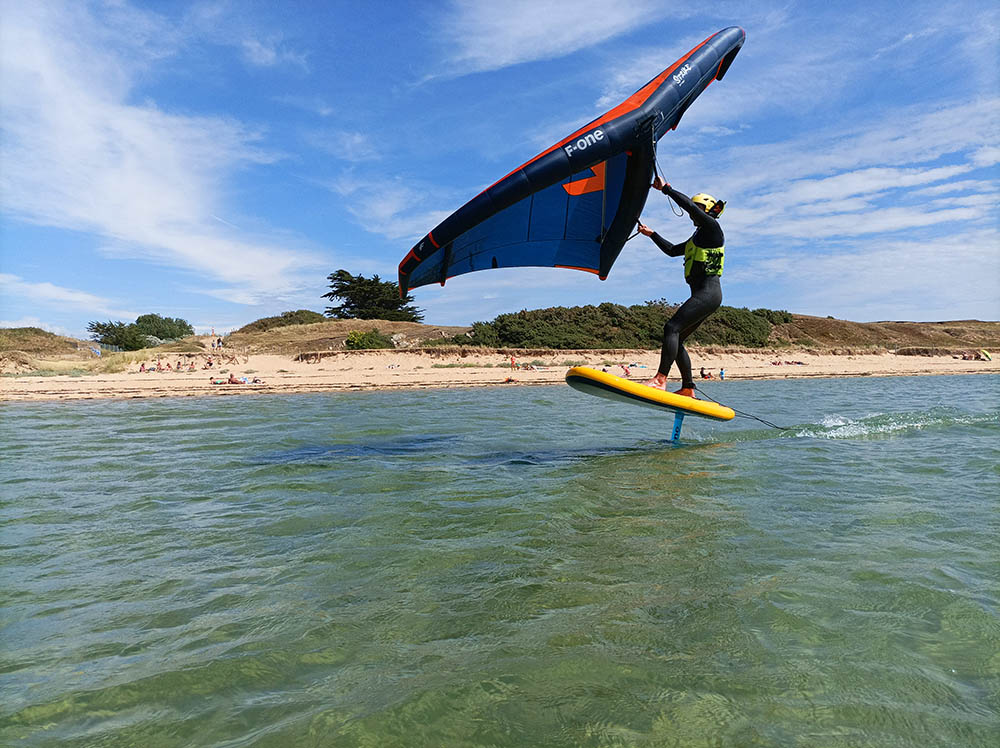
<point x="504" y="567"/>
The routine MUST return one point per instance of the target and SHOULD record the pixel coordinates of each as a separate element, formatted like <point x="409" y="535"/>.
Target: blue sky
<point x="217" y="160"/>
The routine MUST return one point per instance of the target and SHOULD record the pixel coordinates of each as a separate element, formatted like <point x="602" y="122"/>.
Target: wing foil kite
<point x="575" y="204"/>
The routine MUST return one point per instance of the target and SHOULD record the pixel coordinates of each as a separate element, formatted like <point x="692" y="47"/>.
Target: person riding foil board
<point x="703" y="258"/>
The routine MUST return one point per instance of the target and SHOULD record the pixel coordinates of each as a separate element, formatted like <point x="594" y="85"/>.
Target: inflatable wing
<point x="575" y="204"/>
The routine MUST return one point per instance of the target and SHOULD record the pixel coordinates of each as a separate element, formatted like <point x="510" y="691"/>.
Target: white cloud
<point x="899" y="279"/>
<point x="36" y="322"/>
<point x="864" y="182"/>
<point x="270" y="52"/>
<point x="490" y="36"/>
<point x="51" y="295"/>
<point x="951" y="128"/>
<point x="988" y="155"/>
<point x="887" y="220"/>
<point x="79" y="155"/>
<point x="869" y="179"/>
<point x="393" y="208"/>
<point x="904" y="40"/>
<point x="313" y="104"/>
<point x="344" y="145"/>
<point x="962" y="185"/>
<point x="230" y="24"/>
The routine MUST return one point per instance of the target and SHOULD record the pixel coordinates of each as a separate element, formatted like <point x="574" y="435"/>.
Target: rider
<point x="703" y="258"/>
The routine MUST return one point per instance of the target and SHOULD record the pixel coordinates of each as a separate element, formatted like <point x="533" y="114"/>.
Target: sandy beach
<point x="390" y="369"/>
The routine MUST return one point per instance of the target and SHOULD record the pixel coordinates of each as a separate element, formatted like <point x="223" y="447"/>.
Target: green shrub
<point x="298" y="317"/>
<point x="775" y="317"/>
<point x="615" y="326"/>
<point x="164" y="328"/>
<point x="357" y="340"/>
<point x="729" y="326"/>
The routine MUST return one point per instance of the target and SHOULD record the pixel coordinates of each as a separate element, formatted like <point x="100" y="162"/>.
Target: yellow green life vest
<point x="713" y="258"/>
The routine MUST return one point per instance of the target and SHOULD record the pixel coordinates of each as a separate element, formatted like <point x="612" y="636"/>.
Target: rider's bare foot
<point x="685" y="391"/>
<point x="659" y="382"/>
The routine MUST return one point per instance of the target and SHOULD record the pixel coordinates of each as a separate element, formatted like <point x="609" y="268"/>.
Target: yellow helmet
<point x="709" y="204"/>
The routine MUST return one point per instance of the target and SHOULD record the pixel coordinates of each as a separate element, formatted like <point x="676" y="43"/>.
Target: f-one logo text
<point x="585" y="142"/>
<point x="681" y="74"/>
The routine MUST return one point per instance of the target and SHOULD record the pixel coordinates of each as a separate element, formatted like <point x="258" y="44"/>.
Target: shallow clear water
<point x="526" y="566"/>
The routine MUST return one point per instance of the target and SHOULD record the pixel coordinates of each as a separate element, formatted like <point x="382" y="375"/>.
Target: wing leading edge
<point x="575" y="204"/>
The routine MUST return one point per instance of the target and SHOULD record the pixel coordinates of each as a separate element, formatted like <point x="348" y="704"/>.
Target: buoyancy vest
<point x="712" y="258"/>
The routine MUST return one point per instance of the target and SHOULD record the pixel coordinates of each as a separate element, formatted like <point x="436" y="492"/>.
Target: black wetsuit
<point x="706" y="290"/>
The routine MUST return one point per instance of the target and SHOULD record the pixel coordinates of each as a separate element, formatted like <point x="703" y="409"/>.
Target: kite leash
<point x="675" y="209"/>
<point x="742" y="414"/>
<point x="656" y="171"/>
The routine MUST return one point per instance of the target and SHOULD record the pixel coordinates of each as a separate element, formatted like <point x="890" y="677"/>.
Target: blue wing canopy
<point x="559" y="226"/>
<point x="575" y="204"/>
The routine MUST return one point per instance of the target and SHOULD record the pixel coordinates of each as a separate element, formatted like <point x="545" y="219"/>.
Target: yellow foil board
<point x="608" y="386"/>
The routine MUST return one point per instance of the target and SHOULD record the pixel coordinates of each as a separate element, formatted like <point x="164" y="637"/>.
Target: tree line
<point x="148" y="329"/>
<point x="584" y="327"/>
<point x="360" y="297"/>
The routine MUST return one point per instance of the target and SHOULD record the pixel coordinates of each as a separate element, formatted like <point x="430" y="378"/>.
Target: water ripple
<point x="503" y="567"/>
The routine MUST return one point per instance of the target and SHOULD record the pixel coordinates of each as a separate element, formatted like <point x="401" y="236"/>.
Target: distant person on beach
<point x="722" y="374"/>
<point x="232" y="380"/>
<point x="703" y="258"/>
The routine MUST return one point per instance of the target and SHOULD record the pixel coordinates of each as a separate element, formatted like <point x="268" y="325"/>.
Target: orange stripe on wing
<point x="632" y="103"/>
<point x="588" y="184"/>
<point x="574" y="267"/>
<point x="410" y="255"/>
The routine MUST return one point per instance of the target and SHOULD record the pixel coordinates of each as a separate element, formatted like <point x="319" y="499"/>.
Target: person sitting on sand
<point x="142" y="367"/>
<point x="234" y="380"/>
<point x="704" y="374"/>
<point x="703" y="256"/>
<point x="191" y="366"/>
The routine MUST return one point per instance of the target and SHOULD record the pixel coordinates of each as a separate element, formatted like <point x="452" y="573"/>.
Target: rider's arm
<point x="698" y="215"/>
<point x="673" y="250"/>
